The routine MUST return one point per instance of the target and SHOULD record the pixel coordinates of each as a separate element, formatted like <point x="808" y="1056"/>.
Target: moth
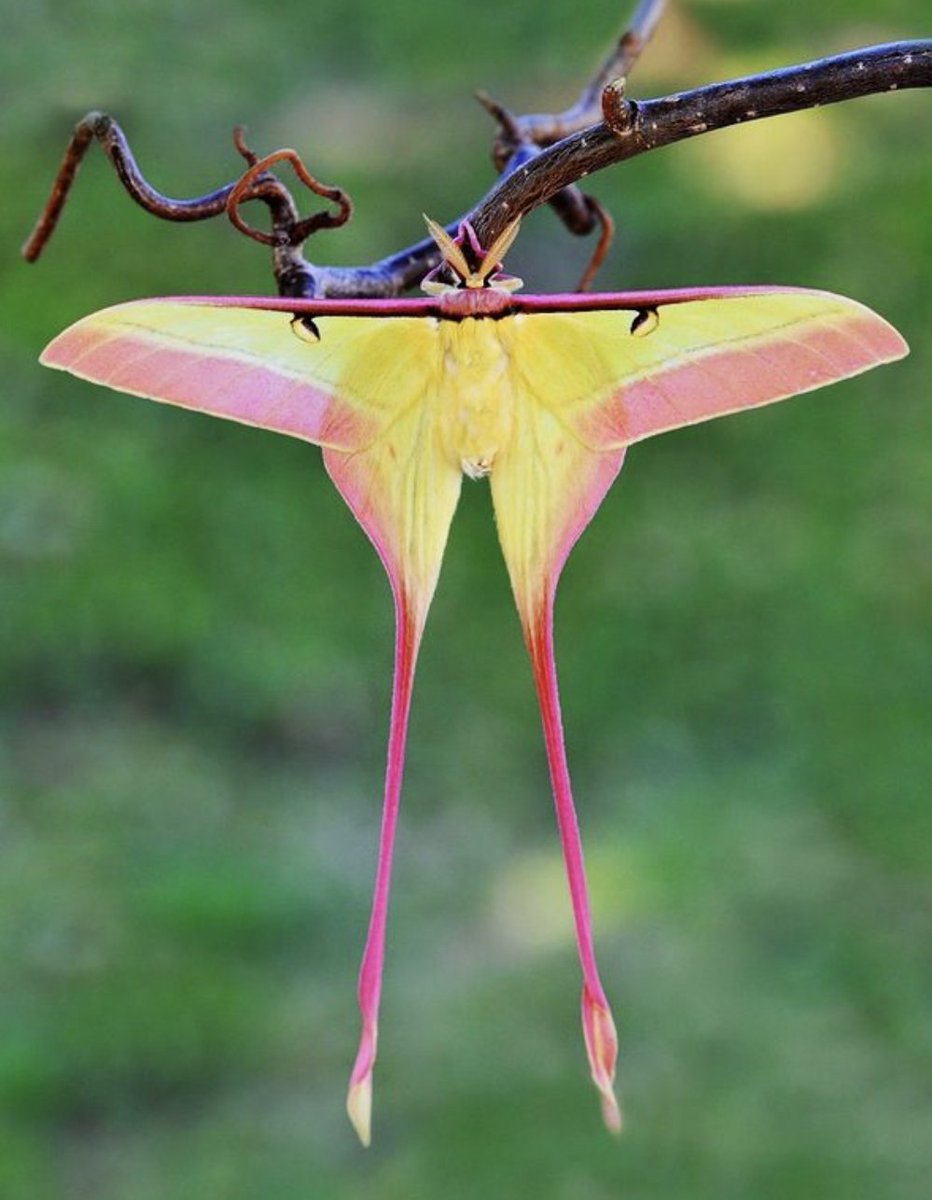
<point x="539" y="394"/>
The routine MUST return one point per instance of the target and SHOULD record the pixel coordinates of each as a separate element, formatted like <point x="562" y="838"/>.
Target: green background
<point x="195" y="655"/>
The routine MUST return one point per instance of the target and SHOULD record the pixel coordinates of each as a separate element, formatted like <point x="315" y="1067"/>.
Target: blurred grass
<point x="194" y="656"/>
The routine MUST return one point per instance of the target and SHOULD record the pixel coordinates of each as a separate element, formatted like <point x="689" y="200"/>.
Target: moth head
<point x="457" y="253"/>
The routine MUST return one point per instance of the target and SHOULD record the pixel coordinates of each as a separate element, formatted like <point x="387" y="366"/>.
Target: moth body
<point x="475" y="404"/>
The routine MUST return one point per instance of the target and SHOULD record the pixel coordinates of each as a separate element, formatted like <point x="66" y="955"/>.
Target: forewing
<point x="252" y="366"/>
<point x="617" y="376"/>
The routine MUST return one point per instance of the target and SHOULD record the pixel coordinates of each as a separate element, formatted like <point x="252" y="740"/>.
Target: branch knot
<point x="619" y="114"/>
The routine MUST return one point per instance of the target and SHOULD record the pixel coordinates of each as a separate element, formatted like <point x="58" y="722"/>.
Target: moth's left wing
<point x="365" y="390"/>
<point x="245" y="359"/>
<point x="649" y="362"/>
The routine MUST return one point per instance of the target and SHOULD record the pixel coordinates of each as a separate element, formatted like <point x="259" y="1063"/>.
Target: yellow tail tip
<point x="359" y="1108"/>
<point x="611" y="1113"/>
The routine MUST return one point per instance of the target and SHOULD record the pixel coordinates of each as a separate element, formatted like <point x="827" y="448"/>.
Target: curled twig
<point x="541" y="158"/>
<point x="44" y="227"/>
<point x="239" y="141"/>
<point x="298" y="231"/>
<point x="603" y="219"/>
<point x="103" y="128"/>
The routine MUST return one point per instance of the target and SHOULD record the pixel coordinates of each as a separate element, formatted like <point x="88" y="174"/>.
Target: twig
<point x="521" y="138"/>
<point x="533" y="175"/>
<point x="524" y="135"/>
<point x="543" y="129"/>
<point x="111" y="137"/>
<point x="295" y="275"/>
<point x="297" y="232"/>
<point x="651" y="124"/>
<point x="638" y="127"/>
<point x="603" y="218"/>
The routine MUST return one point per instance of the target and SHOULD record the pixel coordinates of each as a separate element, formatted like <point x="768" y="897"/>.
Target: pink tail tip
<point x="602" y="1049"/>
<point x="359" y="1096"/>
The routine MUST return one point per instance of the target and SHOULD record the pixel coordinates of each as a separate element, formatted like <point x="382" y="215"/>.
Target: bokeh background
<point x="195" y="655"/>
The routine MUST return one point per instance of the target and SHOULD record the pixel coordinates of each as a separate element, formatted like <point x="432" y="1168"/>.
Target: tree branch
<point x="647" y="125"/>
<point x="519" y="141"/>
<point x="290" y="267"/>
<point x="634" y="128"/>
<point x="547" y="155"/>
<point x="521" y="138"/>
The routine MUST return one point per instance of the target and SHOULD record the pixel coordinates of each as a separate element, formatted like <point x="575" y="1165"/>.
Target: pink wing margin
<point x="433" y="306"/>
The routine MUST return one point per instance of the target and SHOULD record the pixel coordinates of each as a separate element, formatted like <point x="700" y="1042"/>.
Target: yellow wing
<point x="364" y="391"/>
<point x="589" y="383"/>
<point x="255" y="366"/>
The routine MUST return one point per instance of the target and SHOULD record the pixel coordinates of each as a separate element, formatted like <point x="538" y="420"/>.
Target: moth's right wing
<point x="648" y="363"/>
<point x="363" y="391"/>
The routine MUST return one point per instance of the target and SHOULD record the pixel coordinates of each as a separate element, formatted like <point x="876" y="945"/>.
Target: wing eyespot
<point x="305" y="330"/>
<point x="645" y="321"/>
